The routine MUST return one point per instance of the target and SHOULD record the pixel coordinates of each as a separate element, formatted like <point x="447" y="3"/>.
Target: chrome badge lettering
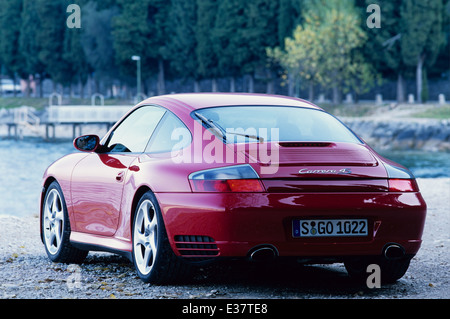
<point x="325" y="171"/>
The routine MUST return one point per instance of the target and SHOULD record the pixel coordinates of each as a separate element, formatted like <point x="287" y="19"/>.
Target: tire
<point x="153" y="258"/>
<point x="55" y="230"/>
<point x="391" y="270"/>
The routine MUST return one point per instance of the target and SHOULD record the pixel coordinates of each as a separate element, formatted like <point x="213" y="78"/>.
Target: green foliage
<point x="384" y="45"/>
<point x="29" y="45"/>
<point x="97" y="39"/>
<point x="230" y="46"/>
<point x="324" y="49"/>
<point x="9" y="36"/>
<point x="141" y="29"/>
<point x="181" y="50"/>
<point x="316" y="42"/>
<point x="206" y="58"/>
<point x="425" y="94"/>
<point x="50" y="36"/>
<point x="422" y="32"/>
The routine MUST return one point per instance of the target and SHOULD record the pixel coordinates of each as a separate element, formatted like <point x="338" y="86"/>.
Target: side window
<point x="133" y="134"/>
<point x="170" y="135"/>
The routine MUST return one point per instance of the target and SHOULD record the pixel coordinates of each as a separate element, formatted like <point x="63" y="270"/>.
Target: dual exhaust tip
<point x="263" y="253"/>
<point x="393" y="252"/>
<point x="269" y="252"/>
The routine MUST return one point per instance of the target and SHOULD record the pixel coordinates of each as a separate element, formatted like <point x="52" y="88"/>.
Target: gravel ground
<point x="26" y="272"/>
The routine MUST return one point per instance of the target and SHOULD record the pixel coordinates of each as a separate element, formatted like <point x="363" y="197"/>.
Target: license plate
<point x="329" y="227"/>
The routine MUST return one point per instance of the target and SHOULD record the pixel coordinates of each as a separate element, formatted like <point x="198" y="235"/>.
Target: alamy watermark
<point x="208" y="147"/>
<point x="374" y="19"/>
<point x="74" y="19"/>
<point x="74" y="280"/>
<point x="374" y="279"/>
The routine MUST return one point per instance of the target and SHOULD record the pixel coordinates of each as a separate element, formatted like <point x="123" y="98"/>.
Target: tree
<point x="342" y="35"/>
<point x="206" y="57"/>
<point x="302" y="55"/>
<point x="230" y="46"/>
<point x="141" y="29"/>
<point x="29" y="44"/>
<point x="422" y="35"/>
<point x="384" y="47"/>
<point x="51" y="19"/>
<point x="75" y="59"/>
<point x="242" y="31"/>
<point x="9" y="38"/>
<point x="288" y="17"/>
<point x="260" y="32"/>
<point x="97" y="39"/>
<point x="181" y="49"/>
<point x="324" y="49"/>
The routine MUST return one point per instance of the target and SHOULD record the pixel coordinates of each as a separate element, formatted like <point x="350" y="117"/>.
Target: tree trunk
<point x="400" y="89"/>
<point x="337" y="99"/>
<point x="270" y="87"/>
<point x="196" y="86"/>
<point x="291" y="84"/>
<point x="41" y="85"/>
<point x="419" y="68"/>
<point x="311" y="91"/>
<point x="251" y="84"/>
<point x="28" y="87"/>
<point x="81" y="89"/>
<point x="232" y="84"/>
<point x="214" y="85"/>
<point x="14" y="85"/>
<point x="161" y="80"/>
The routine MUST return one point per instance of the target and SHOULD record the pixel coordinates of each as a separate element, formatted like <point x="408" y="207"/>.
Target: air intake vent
<point x="196" y="246"/>
<point x="305" y="144"/>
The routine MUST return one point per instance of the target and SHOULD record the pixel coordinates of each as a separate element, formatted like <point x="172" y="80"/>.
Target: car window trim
<point x="194" y="117"/>
<point x="108" y="138"/>
<point x="158" y="127"/>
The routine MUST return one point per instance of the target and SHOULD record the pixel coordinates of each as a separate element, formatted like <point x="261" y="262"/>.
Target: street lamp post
<point x="137" y="58"/>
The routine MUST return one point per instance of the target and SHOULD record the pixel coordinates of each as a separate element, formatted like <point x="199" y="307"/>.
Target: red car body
<point x="314" y="181"/>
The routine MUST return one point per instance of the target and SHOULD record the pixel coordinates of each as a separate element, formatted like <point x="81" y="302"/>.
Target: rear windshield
<point x="276" y="123"/>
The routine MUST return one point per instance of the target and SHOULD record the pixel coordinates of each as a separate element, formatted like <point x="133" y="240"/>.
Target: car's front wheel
<point x="56" y="228"/>
<point x="153" y="257"/>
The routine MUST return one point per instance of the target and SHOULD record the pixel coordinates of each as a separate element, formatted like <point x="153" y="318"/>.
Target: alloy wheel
<point x="53" y="221"/>
<point x="145" y="237"/>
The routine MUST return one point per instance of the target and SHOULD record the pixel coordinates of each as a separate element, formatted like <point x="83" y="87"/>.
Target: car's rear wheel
<point x="56" y="228"/>
<point x="153" y="257"/>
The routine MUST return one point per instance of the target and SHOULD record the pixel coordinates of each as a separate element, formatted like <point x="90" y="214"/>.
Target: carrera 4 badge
<point x="325" y="171"/>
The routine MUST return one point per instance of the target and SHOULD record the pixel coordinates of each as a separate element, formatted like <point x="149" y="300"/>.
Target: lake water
<point x="24" y="162"/>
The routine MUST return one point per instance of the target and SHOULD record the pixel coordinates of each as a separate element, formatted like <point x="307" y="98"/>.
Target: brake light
<point x="240" y="178"/>
<point x="231" y="185"/>
<point x="403" y="185"/>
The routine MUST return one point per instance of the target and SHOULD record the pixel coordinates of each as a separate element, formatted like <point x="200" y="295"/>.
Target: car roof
<point x="194" y="101"/>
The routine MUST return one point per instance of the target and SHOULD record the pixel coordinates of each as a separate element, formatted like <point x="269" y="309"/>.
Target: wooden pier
<point x="24" y="120"/>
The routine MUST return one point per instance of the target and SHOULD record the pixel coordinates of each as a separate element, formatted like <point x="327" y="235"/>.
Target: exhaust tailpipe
<point x="393" y="252"/>
<point x="263" y="253"/>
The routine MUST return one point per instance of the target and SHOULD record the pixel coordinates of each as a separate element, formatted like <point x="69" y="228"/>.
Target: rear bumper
<point x="233" y="224"/>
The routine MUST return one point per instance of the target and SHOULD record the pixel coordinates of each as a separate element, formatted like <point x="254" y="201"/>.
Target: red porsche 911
<point x="191" y="178"/>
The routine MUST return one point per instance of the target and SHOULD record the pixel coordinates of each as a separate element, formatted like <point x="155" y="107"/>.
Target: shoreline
<point x="429" y="135"/>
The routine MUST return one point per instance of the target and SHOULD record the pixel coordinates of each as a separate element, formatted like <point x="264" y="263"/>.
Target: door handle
<point x="119" y="176"/>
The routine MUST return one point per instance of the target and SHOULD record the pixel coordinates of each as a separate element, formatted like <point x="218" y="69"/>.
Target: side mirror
<point x="87" y="143"/>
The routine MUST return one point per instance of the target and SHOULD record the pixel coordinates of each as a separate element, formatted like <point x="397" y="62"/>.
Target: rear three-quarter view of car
<point x="185" y="179"/>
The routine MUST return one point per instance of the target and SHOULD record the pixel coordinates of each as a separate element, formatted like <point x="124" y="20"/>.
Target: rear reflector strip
<point x="229" y="185"/>
<point x="403" y="185"/>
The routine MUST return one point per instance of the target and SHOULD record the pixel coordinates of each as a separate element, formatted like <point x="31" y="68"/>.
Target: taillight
<point x="403" y="185"/>
<point x="240" y="178"/>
